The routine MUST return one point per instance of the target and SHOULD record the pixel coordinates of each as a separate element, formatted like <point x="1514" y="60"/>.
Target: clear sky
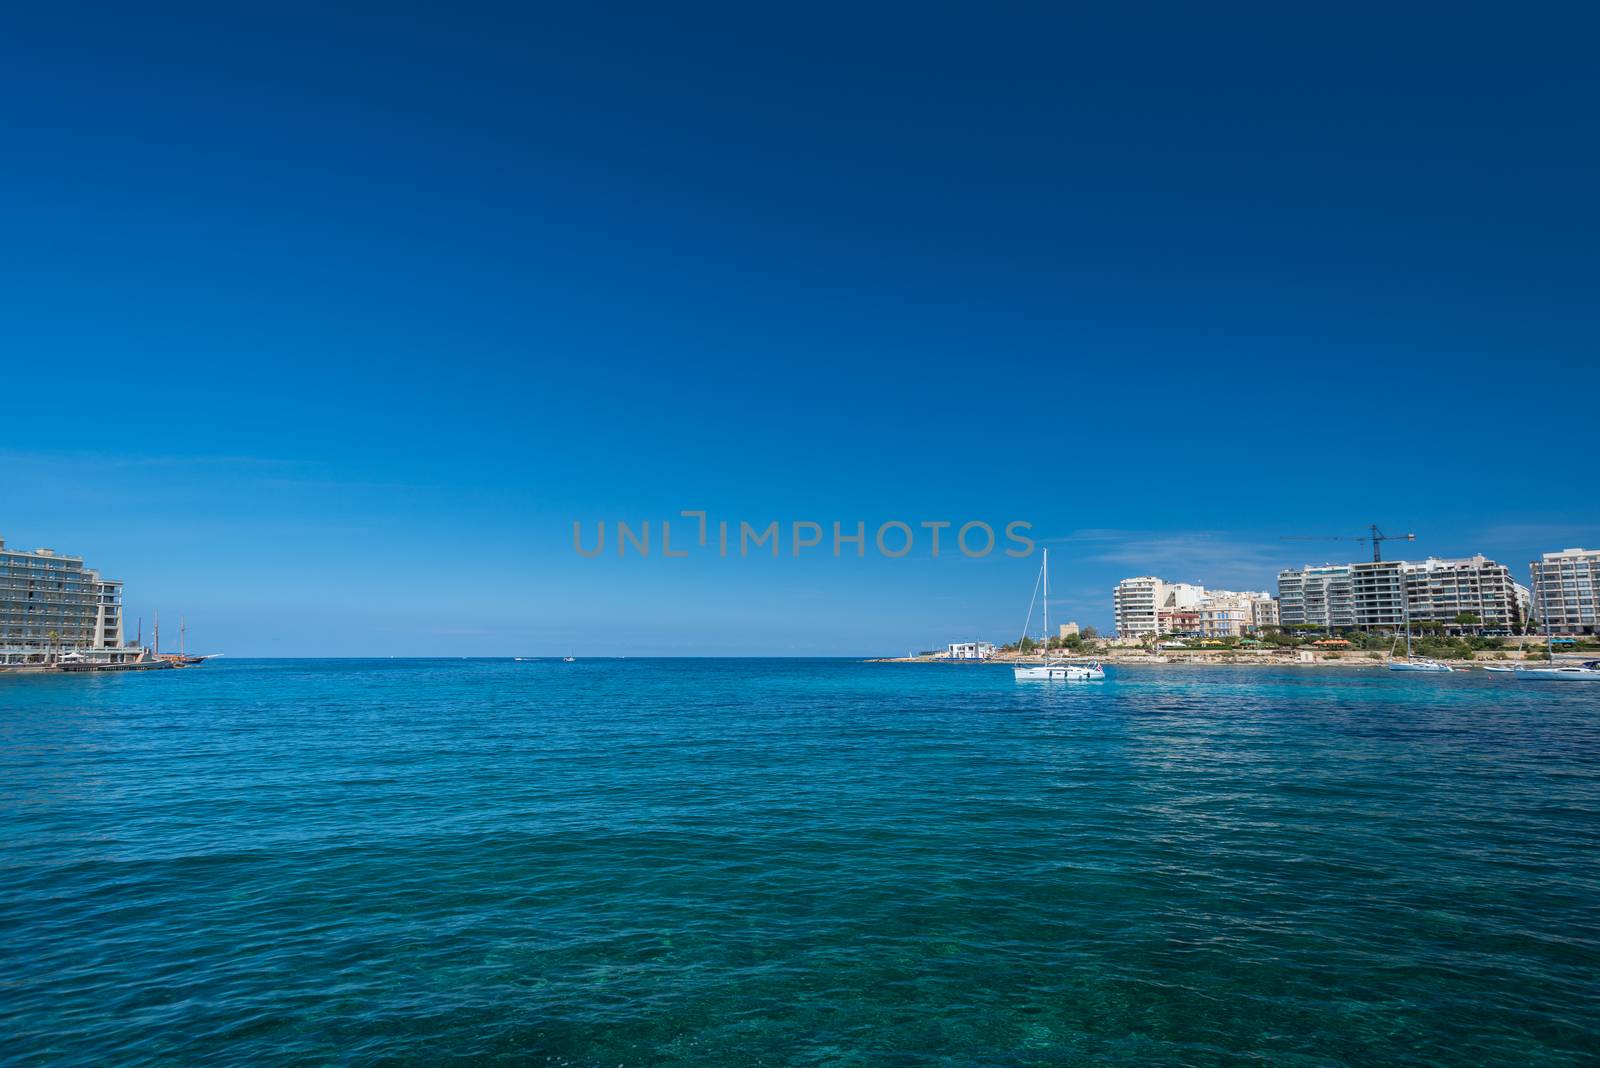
<point x="323" y="328"/>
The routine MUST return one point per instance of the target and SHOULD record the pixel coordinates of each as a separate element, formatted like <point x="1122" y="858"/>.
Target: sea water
<point x="739" y="862"/>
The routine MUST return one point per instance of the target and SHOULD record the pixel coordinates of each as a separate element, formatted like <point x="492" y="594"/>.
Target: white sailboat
<point x="1587" y="671"/>
<point x="1054" y="669"/>
<point x="1413" y="663"/>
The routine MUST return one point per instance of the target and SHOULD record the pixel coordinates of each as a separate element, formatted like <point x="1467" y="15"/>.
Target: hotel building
<point x="1566" y="586"/>
<point x="52" y="606"/>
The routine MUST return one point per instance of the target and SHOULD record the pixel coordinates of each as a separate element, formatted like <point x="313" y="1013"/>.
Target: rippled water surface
<point x="796" y="862"/>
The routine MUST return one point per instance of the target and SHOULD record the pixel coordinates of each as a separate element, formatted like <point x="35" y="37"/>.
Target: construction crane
<point x="1376" y="537"/>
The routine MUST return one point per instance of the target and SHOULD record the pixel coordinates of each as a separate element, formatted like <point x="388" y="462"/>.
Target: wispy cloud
<point x="1211" y="557"/>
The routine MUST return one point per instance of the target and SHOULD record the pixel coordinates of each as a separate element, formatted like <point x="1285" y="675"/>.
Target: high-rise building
<point x="1380" y="595"/>
<point x="1445" y="591"/>
<point x="51" y="605"/>
<point x="1316" y="596"/>
<point x="1566" y="586"/>
<point x="1134" y="603"/>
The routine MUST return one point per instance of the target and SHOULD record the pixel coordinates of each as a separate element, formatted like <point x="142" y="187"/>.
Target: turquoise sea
<point x="740" y="862"/>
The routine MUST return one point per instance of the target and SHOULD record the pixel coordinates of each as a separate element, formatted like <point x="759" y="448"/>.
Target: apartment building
<point x="1381" y="595"/>
<point x="1228" y="614"/>
<point x="1566" y="586"/>
<point x="1147" y="606"/>
<point x="1133" y="605"/>
<point x="1316" y="596"/>
<point x="51" y="605"/>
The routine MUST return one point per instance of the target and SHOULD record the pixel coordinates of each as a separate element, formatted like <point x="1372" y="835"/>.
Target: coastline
<point x="1193" y="658"/>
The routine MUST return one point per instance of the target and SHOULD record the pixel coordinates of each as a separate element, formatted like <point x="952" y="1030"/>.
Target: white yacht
<point x="1053" y="669"/>
<point x="1415" y="663"/>
<point x="1585" y="671"/>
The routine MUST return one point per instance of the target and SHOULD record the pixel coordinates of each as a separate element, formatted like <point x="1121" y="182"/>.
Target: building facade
<point x="969" y="651"/>
<point x="52" y="606"/>
<point x="1227" y="614"/>
<point x="1316" y="597"/>
<point x="1381" y="595"/>
<point x="1133" y="606"/>
<point x="1566" y="586"/>
<point x="1148" y="607"/>
<point x="1444" y="591"/>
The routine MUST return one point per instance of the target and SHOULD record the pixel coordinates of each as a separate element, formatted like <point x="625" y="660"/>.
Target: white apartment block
<point x="1316" y="596"/>
<point x="969" y="651"/>
<point x="1147" y="606"/>
<point x="1566" y="586"/>
<point x="1134" y="603"/>
<point x="1138" y="604"/>
<point x="1380" y="595"/>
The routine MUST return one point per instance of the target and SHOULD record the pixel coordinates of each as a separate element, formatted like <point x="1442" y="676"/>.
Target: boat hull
<point x="1401" y="665"/>
<point x="1558" y="674"/>
<point x="1059" y="673"/>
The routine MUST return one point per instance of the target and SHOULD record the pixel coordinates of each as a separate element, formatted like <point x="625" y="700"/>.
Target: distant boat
<point x="569" y="660"/>
<point x="1418" y="663"/>
<point x="1413" y="663"/>
<point x="1053" y="669"/>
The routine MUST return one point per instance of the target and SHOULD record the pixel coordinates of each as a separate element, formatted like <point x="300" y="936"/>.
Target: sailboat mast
<point x="1405" y="608"/>
<point x="182" y="629"/>
<point x="1544" y="610"/>
<point x="1047" y="596"/>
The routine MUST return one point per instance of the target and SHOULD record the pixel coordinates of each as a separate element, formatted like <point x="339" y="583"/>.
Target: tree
<point x="1089" y="633"/>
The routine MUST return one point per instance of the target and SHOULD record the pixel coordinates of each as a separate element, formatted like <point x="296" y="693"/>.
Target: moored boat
<point x="1054" y="669"/>
<point x="1416" y="663"/>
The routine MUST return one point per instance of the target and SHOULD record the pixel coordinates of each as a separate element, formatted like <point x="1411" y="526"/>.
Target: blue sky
<point x="341" y="320"/>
